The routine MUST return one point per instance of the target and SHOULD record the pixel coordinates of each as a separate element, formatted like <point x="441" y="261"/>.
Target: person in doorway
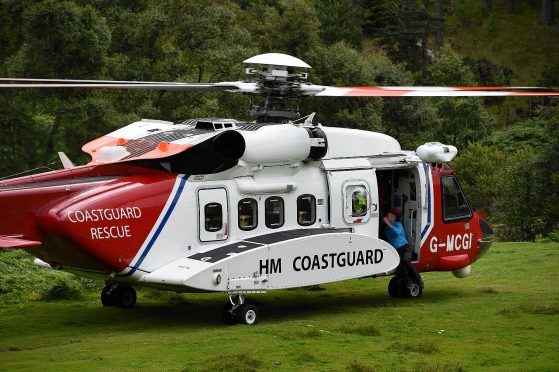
<point x="396" y="236"/>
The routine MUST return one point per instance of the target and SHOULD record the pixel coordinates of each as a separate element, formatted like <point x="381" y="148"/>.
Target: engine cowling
<point x="283" y="144"/>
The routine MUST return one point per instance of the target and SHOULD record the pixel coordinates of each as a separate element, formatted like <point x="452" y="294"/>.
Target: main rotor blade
<point x="105" y="84"/>
<point x="62" y="81"/>
<point x="390" y="91"/>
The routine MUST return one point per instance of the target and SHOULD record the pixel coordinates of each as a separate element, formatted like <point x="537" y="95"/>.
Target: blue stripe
<point x="425" y="169"/>
<point x="159" y="228"/>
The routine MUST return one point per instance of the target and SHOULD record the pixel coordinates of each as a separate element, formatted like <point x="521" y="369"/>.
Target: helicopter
<point x="246" y="207"/>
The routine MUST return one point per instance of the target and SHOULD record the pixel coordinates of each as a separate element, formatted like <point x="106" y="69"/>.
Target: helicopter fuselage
<point x="284" y="220"/>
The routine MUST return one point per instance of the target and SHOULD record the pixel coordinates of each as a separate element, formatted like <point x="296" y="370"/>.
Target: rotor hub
<point x="277" y="85"/>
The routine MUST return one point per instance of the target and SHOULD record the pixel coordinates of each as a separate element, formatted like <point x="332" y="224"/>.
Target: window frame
<point x="255" y="215"/>
<point x="348" y="189"/>
<point x="443" y="202"/>
<point x="313" y="209"/>
<point x="266" y="212"/>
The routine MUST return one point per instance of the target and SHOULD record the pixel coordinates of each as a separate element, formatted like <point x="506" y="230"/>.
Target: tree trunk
<point x="52" y="135"/>
<point x="487" y="6"/>
<point x="439" y="40"/>
<point x="547" y="15"/>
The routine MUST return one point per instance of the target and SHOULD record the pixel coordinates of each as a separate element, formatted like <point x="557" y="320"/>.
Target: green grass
<point x="505" y="316"/>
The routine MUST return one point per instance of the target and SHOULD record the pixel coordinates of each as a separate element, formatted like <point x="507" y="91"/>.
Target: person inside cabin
<point x="395" y="235"/>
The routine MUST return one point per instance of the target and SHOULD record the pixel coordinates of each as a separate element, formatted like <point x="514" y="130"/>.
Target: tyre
<point x="395" y="287"/>
<point x="247" y="314"/>
<point x="106" y="296"/>
<point x="126" y="296"/>
<point x="227" y="316"/>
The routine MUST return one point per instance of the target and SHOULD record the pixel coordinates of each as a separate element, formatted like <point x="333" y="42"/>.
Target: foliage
<point x="340" y="21"/>
<point x="529" y="134"/>
<point x="479" y="168"/>
<point x="21" y="281"/>
<point x="519" y="204"/>
<point x="448" y="69"/>
<point x="403" y="29"/>
<point x="348" y="42"/>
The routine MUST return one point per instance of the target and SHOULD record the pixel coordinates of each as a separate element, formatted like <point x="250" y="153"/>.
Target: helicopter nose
<point x="487" y="238"/>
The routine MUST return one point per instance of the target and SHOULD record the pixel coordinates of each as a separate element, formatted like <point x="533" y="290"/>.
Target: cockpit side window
<point x="455" y="205"/>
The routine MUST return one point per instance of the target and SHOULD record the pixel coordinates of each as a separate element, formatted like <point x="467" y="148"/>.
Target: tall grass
<point x="21" y="281"/>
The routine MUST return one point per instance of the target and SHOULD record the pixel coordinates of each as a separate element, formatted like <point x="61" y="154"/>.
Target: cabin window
<point x="213" y="217"/>
<point x="455" y="205"/>
<point x="359" y="203"/>
<point x="248" y="214"/>
<point x="274" y="209"/>
<point x="306" y="210"/>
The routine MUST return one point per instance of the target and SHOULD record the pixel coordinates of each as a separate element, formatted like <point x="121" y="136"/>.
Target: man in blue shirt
<point x="396" y="236"/>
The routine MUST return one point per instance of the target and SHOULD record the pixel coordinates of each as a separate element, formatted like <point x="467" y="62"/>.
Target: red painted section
<point x="374" y="92"/>
<point x="110" y="222"/>
<point x="161" y="149"/>
<point x="35" y="209"/>
<point x="450" y="245"/>
<point x="10" y="242"/>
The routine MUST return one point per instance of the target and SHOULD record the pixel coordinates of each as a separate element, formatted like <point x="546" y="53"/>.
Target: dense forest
<point x="508" y="160"/>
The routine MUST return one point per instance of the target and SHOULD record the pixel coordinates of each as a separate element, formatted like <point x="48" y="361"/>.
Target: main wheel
<point x="228" y="316"/>
<point x="107" y="298"/>
<point x="125" y="296"/>
<point x="247" y="314"/>
<point x="395" y="287"/>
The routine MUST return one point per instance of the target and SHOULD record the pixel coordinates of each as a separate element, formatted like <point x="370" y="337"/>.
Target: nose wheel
<point x="237" y="310"/>
<point x="118" y="294"/>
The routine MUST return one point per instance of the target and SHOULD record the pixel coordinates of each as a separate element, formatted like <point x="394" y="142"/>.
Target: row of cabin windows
<point x="274" y="216"/>
<point x="274" y="212"/>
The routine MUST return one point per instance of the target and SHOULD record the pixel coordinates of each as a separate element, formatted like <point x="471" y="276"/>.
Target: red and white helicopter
<point x="217" y="204"/>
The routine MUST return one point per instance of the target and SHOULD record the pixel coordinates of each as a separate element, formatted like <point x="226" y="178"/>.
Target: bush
<point x="22" y="281"/>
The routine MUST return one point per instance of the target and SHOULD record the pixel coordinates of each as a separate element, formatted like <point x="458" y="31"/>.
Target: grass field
<point x="505" y="316"/>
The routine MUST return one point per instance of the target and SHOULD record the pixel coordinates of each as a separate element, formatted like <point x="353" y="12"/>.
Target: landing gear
<point x="239" y="311"/>
<point x="118" y="294"/>
<point x="400" y="287"/>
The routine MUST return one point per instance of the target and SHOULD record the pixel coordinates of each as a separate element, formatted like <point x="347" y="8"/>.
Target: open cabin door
<point x="353" y="196"/>
<point x="213" y="214"/>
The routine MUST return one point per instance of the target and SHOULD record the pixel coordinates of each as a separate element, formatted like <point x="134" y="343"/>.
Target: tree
<point x="461" y="119"/>
<point x="340" y="21"/>
<point x="519" y="207"/>
<point x="480" y="169"/>
<point x="61" y="40"/>
<point x="547" y="15"/>
<point x="439" y="12"/>
<point x="403" y="29"/>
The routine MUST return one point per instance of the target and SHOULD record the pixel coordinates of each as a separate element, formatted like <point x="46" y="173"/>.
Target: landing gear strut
<point x="237" y="310"/>
<point x="118" y="294"/>
<point x="400" y="287"/>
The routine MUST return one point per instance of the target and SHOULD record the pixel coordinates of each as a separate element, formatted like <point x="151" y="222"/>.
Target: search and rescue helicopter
<point x="216" y="204"/>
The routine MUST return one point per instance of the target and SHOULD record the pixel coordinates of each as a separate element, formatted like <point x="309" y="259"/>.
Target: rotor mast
<point x="277" y="86"/>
